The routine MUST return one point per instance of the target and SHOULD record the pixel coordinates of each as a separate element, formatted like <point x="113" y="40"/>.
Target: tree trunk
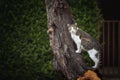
<point x="66" y="61"/>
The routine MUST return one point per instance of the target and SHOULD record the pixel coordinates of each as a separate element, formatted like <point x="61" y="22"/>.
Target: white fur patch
<point x="76" y="39"/>
<point x="92" y="53"/>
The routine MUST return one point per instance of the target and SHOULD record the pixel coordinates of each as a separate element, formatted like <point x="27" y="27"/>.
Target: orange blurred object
<point x="89" y="75"/>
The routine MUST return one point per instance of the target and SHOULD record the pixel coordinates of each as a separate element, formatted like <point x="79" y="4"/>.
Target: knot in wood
<point x="50" y="30"/>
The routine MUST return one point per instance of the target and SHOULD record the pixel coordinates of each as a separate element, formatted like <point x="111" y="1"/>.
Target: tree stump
<point x="66" y="61"/>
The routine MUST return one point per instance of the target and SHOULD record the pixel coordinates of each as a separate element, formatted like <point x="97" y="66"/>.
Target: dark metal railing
<point x="110" y="39"/>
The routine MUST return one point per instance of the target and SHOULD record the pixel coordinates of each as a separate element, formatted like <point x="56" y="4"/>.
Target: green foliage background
<point x="25" y="53"/>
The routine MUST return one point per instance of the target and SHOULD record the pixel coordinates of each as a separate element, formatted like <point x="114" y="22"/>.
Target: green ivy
<point x="25" y="53"/>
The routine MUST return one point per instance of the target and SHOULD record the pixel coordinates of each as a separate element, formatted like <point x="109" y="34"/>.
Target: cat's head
<point x="72" y="28"/>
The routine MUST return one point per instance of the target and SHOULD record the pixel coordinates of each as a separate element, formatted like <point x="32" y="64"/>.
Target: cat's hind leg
<point x="92" y="54"/>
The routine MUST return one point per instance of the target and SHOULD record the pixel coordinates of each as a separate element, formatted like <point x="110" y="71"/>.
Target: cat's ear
<point x="68" y="25"/>
<point x="75" y="24"/>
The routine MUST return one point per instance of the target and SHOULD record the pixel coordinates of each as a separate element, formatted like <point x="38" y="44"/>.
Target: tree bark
<point x="66" y="61"/>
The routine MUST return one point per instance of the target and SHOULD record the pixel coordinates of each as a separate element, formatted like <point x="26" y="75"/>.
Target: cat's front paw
<point x="78" y="51"/>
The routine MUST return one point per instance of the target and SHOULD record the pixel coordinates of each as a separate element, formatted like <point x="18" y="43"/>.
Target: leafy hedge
<point x="25" y="53"/>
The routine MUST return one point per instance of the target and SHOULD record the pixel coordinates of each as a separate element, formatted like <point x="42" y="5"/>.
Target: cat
<point x="85" y="42"/>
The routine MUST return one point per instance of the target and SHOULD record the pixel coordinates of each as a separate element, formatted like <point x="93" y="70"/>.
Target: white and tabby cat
<point x="85" y="42"/>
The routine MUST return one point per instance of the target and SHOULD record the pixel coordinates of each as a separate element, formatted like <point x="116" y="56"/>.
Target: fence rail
<point x="110" y="38"/>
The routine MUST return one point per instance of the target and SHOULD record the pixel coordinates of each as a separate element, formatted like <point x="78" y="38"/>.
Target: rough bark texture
<point x="65" y="61"/>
